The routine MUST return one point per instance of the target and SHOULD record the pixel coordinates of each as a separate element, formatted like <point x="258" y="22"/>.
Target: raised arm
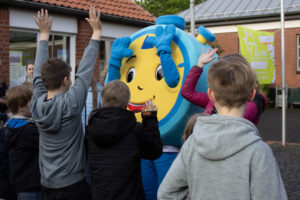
<point x="44" y="22"/>
<point x="120" y="49"/>
<point x="77" y="93"/>
<point x="189" y="87"/>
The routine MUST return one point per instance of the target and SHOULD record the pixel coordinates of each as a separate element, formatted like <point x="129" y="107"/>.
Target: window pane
<point x="102" y="50"/>
<point x="50" y="44"/>
<point x="22" y="47"/>
<point x="62" y="47"/>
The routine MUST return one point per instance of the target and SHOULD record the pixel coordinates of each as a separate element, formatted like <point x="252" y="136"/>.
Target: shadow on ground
<point x="270" y="125"/>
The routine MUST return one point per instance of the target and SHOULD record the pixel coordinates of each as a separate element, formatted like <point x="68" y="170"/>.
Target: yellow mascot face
<point x="143" y="74"/>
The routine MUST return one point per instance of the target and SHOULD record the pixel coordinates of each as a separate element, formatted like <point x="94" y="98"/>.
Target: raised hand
<point x="44" y="23"/>
<point x="206" y="57"/>
<point x="119" y="50"/>
<point x="164" y="38"/>
<point x="150" y="106"/>
<point x="95" y="23"/>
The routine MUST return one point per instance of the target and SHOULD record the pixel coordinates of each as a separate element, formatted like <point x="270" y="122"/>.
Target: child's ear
<point x="211" y="95"/>
<point x="65" y="81"/>
<point x="252" y="95"/>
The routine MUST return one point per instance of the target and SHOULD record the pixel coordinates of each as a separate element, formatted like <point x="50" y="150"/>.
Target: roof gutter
<point x="76" y="12"/>
<point x="246" y="19"/>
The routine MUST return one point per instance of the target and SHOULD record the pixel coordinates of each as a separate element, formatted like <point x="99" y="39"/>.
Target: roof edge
<point x="246" y="19"/>
<point x="77" y="12"/>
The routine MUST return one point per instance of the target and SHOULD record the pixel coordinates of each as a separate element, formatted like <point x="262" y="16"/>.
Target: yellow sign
<point x="258" y="48"/>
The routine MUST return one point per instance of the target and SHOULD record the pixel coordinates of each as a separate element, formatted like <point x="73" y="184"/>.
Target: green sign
<point x="258" y="48"/>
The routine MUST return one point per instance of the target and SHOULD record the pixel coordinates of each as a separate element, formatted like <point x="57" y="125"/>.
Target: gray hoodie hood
<point x="48" y="114"/>
<point x="224" y="159"/>
<point x="219" y="137"/>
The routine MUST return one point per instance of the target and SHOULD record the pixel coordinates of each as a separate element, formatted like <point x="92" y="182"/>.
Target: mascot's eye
<point x="130" y="75"/>
<point x="159" y="73"/>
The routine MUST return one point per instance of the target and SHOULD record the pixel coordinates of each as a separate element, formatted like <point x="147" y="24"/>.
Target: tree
<point x="165" y="7"/>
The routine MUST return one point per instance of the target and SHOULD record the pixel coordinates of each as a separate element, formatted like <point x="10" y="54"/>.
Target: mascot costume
<point x="154" y="62"/>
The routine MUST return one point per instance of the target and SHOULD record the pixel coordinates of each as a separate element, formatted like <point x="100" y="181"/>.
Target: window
<point x="298" y="53"/>
<point x="59" y="47"/>
<point x="104" y="54"/>
<point x="22" y="48"/>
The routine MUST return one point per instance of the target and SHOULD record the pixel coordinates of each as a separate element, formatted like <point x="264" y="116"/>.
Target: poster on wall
<point x="258" y="48"/>
<point x="16" y="68"/>
<point x="15" y="58"/>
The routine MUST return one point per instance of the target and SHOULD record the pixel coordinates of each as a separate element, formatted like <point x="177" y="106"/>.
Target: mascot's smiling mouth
<point x="137" y="106"/>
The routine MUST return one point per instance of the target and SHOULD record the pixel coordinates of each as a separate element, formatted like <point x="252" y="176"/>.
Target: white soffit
<point x="24" y="19"/>
<point x="114" y="30"/>
<point x="256" y="26"/>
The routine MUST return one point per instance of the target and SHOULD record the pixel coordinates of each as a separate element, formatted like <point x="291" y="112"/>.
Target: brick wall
<point x="4" y="44"/>
<point x="82" y="40"/>
<point x="230" y="44"/>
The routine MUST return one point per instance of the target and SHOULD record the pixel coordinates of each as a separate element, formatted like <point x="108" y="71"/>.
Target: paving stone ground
<point x="288" y="157"/>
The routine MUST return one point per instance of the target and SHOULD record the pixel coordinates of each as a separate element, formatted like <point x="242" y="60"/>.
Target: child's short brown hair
<point x="54" y="71"/>
<point x="28" y="84"/>
<point x="231" y="81"/>
<point x="189" y="127"/>
<point x="115" y="94"/>
<point x="16" y="97"/>
<point x="235" y="57"/>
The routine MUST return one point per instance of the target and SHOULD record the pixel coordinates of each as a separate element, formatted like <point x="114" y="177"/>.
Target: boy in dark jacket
<point x="117" y="142"/>
<point x="22" y="141"/>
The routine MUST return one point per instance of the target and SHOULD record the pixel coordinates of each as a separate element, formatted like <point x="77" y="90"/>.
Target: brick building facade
<point x="222" y="17"/>
<point x="70" y="31"/>
<point x="229" y="42"/>
<point x="4" y="43"/>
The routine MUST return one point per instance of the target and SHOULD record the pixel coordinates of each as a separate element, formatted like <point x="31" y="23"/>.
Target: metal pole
<point x="283" y="75"/>
<point x="192" y="17"/>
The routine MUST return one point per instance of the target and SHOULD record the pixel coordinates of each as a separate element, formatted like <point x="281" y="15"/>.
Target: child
<point x="23" y="144"/>
<point x="117" y="142"/>
<point x="189" y="127"/>
<point x="253" y="108"/>
<point x="225" y="157"/>
<point x="56" y="109"/>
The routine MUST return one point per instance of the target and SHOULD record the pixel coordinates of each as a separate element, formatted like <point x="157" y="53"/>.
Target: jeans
<point x="80" y="190"/>
<point x="29" y="196"/>
<point x="154" y="171"/>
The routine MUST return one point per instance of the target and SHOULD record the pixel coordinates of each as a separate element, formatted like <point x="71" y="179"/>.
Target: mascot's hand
<point x="120" y="49"/>
<point x="164" y="38"/>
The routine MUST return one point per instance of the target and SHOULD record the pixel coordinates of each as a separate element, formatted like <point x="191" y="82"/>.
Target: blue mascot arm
<point x="163" y="44"/>
<point x="120" y="49"/>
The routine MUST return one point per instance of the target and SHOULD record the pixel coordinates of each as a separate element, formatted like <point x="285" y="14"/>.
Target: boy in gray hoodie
<point x="225" y="157"/>
<point x="56" y="109"/>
